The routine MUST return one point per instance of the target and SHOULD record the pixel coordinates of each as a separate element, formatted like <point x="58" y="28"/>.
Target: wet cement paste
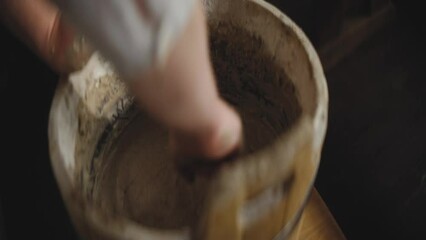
<point x="138" y="178"/>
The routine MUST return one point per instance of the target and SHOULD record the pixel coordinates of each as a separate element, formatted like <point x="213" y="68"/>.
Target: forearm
<point x="160" y="51"/>
<point x="40" y="25"/>
<point x="33" y="21"/>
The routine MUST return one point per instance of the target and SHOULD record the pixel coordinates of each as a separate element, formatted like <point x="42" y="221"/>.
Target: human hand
<point x="181" y="93"/>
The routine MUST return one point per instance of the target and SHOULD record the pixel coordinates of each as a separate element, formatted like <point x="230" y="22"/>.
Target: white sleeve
<point x="131" y="40"/>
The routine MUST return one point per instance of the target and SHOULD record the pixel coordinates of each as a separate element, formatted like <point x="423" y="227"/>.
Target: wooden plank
<point x="329" y="15"/>
<point x="377" y="5"/>
<point x="355" y="32"/>
<point x="317" y="223"/>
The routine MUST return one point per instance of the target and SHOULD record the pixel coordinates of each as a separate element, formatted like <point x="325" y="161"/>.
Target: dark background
<point x="30" y="200"/>
<point x="373" y="170"/>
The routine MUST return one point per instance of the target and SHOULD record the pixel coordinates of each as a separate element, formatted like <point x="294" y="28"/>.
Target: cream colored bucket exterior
<point x="83" y="108"/>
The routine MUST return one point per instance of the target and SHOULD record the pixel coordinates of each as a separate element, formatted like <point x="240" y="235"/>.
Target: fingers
<point x="39" y="24"/>
<point x="182" y="94"/>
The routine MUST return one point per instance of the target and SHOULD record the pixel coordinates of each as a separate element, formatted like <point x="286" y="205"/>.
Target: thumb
<point x="214" y="142"/>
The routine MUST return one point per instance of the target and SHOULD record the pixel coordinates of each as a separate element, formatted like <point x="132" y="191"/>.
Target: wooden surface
<point x="317" y="223"/>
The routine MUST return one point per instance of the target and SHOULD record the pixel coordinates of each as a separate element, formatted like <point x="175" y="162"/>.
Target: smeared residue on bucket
<point x="137" y="177"/>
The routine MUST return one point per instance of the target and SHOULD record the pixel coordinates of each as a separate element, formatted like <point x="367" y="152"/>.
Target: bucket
<point x="118" y="178"/>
